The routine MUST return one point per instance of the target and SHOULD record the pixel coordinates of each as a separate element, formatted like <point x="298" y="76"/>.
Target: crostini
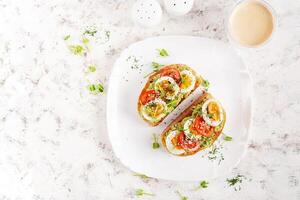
<point x="196" y="128"/>
<point x="165" y="90"/>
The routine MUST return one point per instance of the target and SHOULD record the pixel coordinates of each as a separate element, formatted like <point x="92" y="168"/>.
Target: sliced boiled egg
<point x="167" y="87"/>
<point x="187" y="129"/>
<point x="154" y="110"/>
<point x="212" y="112"/>
<point x="172" y="148"/>
<point x="188" y="81"/>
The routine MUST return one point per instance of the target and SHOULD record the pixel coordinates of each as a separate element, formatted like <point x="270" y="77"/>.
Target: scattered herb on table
<point x="90" y="31"/>
<point x="92" y="68"/>
<point x="227" y="137"/>
<point x="85" y="41"/>
<point x="202" y="184"/>
<point x="141" y="192"/>
<point x="215" y="154"/>
<point x="206" y="84"/>
<point x="182" y="197"/>
<point x="155" y="144"/>
<point x="77" y="49"/>
<point x="107" y="34"/>
<point x="67" y="37"/>
<point x="236" y="181"/>
<point x="163" y="52"/>
<point x="96" y="88"/>
<point x="142" y="176"/>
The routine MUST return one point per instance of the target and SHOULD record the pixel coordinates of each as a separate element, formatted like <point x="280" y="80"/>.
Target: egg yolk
<point x="166" y="87"/>
<point x="214" y="111"/>
<point x="186" y="82"/>
<point x="155" y="110"/>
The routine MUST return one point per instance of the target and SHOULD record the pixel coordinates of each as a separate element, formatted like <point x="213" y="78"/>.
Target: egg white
<point x="193" y="82"/>
<point x="171" y="148"/>
<point x="174" y="86"/>
<point x="187" y="130"/>
<point x="159" y="117"/>
<point x="208" y="120"/>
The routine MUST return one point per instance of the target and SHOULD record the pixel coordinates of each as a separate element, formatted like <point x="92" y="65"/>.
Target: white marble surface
<point x="53" y="138"/>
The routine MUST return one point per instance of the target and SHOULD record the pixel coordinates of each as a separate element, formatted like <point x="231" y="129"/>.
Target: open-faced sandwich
<point x="196" y="128"/>
<point x="165" y="90"/>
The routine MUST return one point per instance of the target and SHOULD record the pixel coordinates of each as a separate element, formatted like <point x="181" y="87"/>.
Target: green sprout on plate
<point x="206" y="84"/>
<point x="163" y="52"/>
<point x="202" y="184"/>
<point x="155" y="144"/>
<point x="182" y="197"/>
<point x="140" y="192"/>
<point x="96" y="88"/>
<point x="227" y="137"/>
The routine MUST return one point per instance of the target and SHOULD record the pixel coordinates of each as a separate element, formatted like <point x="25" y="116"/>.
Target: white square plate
<point x="131" y="137"/>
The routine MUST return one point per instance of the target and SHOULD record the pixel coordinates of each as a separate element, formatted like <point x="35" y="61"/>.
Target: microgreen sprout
<point x="96" y="88"/>
<point x="141" y="192"/>
<point x="67" y="37"/>
<point x="227" y="137"/>
<point x="155" y="144"/>
<point x="206" y="84"/>
<point x="142" y="176"/>
<point x="163" y="52"/>
<point x="182" y="197"/>
<point x="202" y="184"/>
<point x="92" y="68"/>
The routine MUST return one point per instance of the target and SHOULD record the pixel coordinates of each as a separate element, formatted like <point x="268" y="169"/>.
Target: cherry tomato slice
<point x="171" y="72"/>
<point x="199" y="127"/>
<point x="148" y="96"/>
<point x="186" y="143"/>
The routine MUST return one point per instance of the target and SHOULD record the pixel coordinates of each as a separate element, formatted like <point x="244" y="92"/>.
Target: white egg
<point x="146" y="12"/>
<point x="205" y="116"/>
<point x="160" y="116"/>
<point x="175" y="86"/>
<point x="178" y="7"/>
<point x="187" y="131"/>
<point x="193" y="81"/>
<point x="172" y="148"/>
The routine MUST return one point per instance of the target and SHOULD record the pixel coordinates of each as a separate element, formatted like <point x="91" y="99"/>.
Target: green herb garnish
<point x="215" y="154"/>
<point x="202" y="184"/>
<point x="156" y="66"/>
<point x="163" y="52"/>
<point x="90" y="32"/>
<point x="206" y="84"/>
<point x="96" y="88"/>
<point x="85" y="41"/>
<point x="67" y="37"/>
<point x="227" y="137"/>
<point x="92" y="68"/>
<point x="182" y="197"/>
<point x="141" y="192"/>
<point x="236" y="181"/>
<point x="77" y="49"/>
<point x="155" y="144"/>
<point x="107" y="34"/>
<point x="142" y="176"/>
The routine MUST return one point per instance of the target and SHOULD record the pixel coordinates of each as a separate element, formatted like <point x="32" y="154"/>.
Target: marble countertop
<point x="53" y="137"/>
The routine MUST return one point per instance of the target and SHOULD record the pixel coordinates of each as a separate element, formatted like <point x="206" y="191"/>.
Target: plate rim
<point x="109" y="88"/>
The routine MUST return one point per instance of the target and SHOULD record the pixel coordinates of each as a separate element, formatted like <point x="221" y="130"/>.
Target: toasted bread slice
<point x="178" y="123"/>
<point x="178" y="76"/>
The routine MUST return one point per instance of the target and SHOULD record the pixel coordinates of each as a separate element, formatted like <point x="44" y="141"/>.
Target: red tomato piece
<point x="185" y="143"/>
<point x="171" y="72"/>
<point x="148" y="96"/>
<point x="200" y="127"/>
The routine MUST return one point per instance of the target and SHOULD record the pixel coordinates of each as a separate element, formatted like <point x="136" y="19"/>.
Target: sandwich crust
<point x="188" y="112"/>
<point x="152" y="77"/>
